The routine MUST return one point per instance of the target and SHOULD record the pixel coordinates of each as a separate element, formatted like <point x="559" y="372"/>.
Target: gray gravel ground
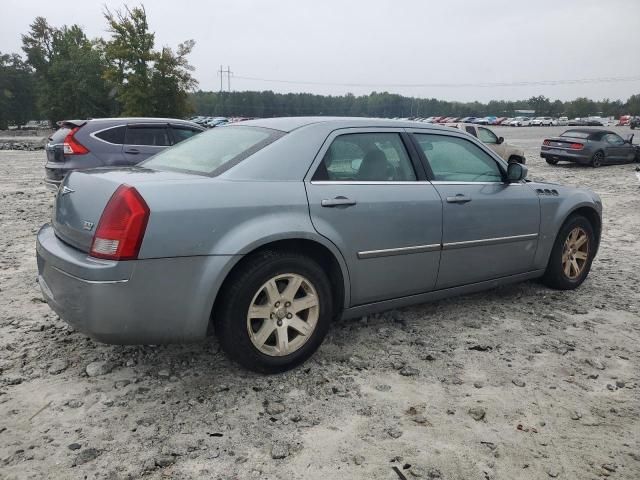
<point x="520" y="382"/>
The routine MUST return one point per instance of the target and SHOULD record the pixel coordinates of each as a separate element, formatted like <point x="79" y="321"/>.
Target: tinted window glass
<point x="180" y="134"/>
<point x="153" y="136"/>
<point x="112" y="135"/>
<point x="487" y="136"/>
<point x="365" y="157"/>
<point x="214" y="151"/>
<point x="614" y="139"/>
<point x="470" y="130"/>
<point x="457" y="159"/>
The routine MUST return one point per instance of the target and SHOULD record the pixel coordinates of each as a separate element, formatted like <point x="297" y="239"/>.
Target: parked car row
<point x="520" y="121"/>
<point x="209" y="122"/>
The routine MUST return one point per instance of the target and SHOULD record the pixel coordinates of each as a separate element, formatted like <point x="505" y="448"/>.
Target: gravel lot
<point x="520" y="382"/>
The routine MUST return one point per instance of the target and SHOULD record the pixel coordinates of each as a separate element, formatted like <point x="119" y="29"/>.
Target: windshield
<point x="215" y="151"/>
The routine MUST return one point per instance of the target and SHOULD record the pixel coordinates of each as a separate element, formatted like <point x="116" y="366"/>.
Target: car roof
<point x="587" y="130"/>
<point x="288" y="124"/>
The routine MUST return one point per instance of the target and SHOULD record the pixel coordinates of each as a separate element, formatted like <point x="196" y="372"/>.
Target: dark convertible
<point x="593" y="147"/>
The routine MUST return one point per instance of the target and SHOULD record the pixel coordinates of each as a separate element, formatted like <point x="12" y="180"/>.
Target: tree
<point x="17" y="93"/>
<point x="146" y="82"/>
<point x="69" y="71"/>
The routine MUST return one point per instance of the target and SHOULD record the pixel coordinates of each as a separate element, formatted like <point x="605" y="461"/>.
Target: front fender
<point x="555" y="208"/>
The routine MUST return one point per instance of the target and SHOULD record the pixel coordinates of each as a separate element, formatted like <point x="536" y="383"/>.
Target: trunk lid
<point x="83" y="196"/>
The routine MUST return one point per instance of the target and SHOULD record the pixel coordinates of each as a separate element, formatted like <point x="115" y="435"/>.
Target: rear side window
<point x="215" y="151"/>
<point x="180" y="133"/>
<point x="455" y="159"/>
<point x="112" y="135"/>
<point x="149" y="136"/>
<point x="362" y="157"/>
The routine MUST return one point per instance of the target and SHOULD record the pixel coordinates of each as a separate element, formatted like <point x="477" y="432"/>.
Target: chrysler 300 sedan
<point x="265" y="231"/>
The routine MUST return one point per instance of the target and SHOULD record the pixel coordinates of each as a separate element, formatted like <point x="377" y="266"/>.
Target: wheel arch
<point x="321" y="250"/>
<point x="592" y="215"/>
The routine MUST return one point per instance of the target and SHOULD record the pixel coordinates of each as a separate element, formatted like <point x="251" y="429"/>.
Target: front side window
<point x="362" y="157"/>
<point x="148" y="136"/>
<point x="213" y="152"/>
<point x="614" y="139"/>
<point x="487" y="136"/>
<point x="455" y="159"/>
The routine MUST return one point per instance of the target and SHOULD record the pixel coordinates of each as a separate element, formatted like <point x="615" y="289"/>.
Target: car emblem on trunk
<point x="87" y="225"/>
<point x="66" y="190"/>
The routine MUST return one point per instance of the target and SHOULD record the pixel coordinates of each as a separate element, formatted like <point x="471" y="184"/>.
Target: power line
<point x="580" y="81"/>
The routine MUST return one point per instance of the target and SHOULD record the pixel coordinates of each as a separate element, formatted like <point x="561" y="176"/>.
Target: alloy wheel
<point x="596" y="161"/>
<point x="575" y="253"/>
<point x="283" y="314"/>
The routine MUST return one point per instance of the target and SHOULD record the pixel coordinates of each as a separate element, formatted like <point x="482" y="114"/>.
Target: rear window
<point x="215" y="151"/>
<point x="112" y="135"/>
<point x="576" y="134"/>
<point x="182" y="133"/>
<point x="59" y="135"/>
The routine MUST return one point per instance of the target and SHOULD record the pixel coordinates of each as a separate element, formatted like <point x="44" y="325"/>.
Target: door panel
<point x="490" y="228"/>
<point x="492" y="235"/>
<point x="390" y="237"/>
<point x="369" y="197"/>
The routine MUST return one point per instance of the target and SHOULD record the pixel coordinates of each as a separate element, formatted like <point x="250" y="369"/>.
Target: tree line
<point x="385" y="104"/>
<point x="63" y="74"/>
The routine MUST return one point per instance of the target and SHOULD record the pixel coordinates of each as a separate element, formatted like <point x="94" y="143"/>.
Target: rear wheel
<point x="572" y="255"/>
<point x="275" y="311"/>
<point x="597" y="159"/>
<point x="551" y="161"/>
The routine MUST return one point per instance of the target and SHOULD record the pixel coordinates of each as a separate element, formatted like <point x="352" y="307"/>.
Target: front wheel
<point x="275" y="311"/>
<point x="572" y="255"/>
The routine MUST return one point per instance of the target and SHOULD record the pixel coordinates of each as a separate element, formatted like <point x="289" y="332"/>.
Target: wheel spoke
<point x="574" y="264"/>
<point x="292" y="288"/>
<point x="303" y="303"/>
<point x="260" y="311"/>
<point x="567" y="268"/>
<point x="283" y="340"/>
<point x="265" y="331"/>
<point x="300" y="326"/>
<point x="581" y="241"/>
<point x="272" y="291"/>
<point x="581" y="255"/>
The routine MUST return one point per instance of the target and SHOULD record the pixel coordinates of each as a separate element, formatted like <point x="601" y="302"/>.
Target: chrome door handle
<point x="459" y="198"/>
<point x="337" y="202"/>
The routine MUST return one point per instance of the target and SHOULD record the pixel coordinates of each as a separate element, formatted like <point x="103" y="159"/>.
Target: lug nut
<point x="287" y="304"/>
<point x="277" y="304"/>
<point x="279" y="323"/>
<point x="289" y="316"/>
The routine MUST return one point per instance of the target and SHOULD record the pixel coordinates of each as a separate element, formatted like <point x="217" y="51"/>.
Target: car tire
<point x="551" y="161"/>
<point x="566" y="269"/>
<point x="597" y="159"/>
<point x="251" y="286"/>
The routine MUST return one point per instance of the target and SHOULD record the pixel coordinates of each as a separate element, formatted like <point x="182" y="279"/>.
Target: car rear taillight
<point x="121" y="227"/>
<point x="72" y="146"/>
<point x="576" y="146"/>
<point x="547" y="142"/>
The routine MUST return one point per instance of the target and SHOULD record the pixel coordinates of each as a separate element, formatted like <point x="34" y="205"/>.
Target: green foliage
<point x="17" y="93"/>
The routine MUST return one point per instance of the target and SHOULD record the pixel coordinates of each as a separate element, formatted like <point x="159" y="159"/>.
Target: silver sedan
<point x="263" y="232"/>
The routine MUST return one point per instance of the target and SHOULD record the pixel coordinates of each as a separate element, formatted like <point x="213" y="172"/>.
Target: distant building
<point x="525" y="113"/>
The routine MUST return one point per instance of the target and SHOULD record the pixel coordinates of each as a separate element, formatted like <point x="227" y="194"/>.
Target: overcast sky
<point x="384" y="44"/>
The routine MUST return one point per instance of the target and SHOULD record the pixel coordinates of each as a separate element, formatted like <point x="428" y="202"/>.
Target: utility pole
<point x="222" y="72"/>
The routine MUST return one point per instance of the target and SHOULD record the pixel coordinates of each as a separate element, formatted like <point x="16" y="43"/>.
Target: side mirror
<point x="516" y="172"/>
<point x="500" y="140"/>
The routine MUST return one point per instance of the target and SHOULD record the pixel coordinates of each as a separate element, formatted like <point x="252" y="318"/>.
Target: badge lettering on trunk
<point x="65" y="190"/>
<point x="87" y="225"/>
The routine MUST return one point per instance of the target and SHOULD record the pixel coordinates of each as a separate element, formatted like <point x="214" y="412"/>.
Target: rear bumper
<point x="131" y="302"/>
<point x="576" y="157"/>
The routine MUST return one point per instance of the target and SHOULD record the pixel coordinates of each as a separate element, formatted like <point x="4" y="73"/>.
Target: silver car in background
<point x="265" y="231"/>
